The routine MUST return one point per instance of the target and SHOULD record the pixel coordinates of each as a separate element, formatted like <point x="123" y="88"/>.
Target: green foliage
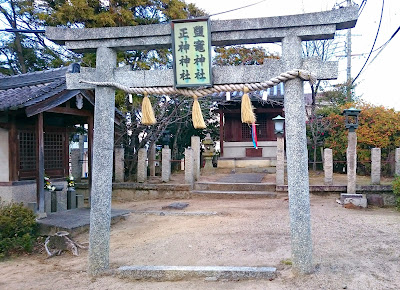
<point x="378" y="127"/>
<point x="396" y="190"/>
<point x="26" y="52"/>
<point x="240" y="55"/>
<point x="18" y="229"/>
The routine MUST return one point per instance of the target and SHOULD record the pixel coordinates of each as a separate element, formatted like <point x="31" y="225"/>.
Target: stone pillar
<point x="76" y="165"/>
<point x="102" y="164"/>
<point x="195" y="144"/>
<point x="152" y="159"/>
<point x="280" y="160"/>
<point x="351" y="156"/>
<point x="189" y="166"/>
<point x="165" y="164"/>
<point x="119" y="164"/>
<point x="81" y="156"/>
<point x="376" y="166"/>
<point x="141" y="165"/>
<point x="328" y="166"/>
<point x="297" y="160"/>
<point x="397" y="162"/>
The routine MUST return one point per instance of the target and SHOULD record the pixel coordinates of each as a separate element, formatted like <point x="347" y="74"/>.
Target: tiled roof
<point x="24" y="90"/>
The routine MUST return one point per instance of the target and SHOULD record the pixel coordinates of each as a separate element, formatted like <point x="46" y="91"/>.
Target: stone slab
<point x="357" y="200"/>
<point x="72" y="221"/>
<point x="176" y="205"/>
<point x="175" y="273"/>
<point x="319" y="25"/>
<point x="174" y="213"/>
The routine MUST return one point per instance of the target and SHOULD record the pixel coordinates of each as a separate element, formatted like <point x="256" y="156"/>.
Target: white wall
<point x="4" y="156"/>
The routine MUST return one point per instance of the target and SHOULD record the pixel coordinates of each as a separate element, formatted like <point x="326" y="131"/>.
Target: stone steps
<point x="232" y="194"/>
<point x="218" y="186"/>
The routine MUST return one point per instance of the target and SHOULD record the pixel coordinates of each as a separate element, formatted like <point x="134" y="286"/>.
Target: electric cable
<point x="237" y="8"/>
<point x="373" y="45"/>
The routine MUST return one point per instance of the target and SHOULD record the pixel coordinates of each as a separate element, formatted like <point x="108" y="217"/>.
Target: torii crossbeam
<point x="290" y="30"/>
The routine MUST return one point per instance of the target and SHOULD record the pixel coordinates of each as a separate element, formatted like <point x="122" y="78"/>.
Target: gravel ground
<point x="352" y="249"/>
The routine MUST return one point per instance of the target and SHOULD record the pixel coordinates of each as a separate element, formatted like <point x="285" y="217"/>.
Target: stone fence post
<point x="280" y="160"/>
<point x="165" y="164"/>
<point x="189" y="166"/>
<point x="397" y="162"/>
<point x="152" y="159"/>
<point x="119" y="166"/>
<point x="76" y="164"/>
<point x="351" y="162"/>
<point x="376" y="166"/>
<point x="142" y="166"/>
<point x="195" y="144"/>
<point x="328" y="166"/>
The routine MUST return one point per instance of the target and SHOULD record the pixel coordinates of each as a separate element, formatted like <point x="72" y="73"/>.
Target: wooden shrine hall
<point x="237" y="148"/>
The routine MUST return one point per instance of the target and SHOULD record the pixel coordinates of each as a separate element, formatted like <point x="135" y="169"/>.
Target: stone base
<point x="252" y="163"/>
<point x="210" y="273"/>
<point x="349" y="200"/>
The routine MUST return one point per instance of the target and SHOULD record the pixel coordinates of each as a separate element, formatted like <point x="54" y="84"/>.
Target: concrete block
<point x="47" y="201"/>
<point x="61" y="200"/>
<point x="79" y="201"/>
<point x="71" y="199"/>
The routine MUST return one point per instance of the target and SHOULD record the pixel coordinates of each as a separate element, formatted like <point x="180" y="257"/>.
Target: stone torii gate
<point x="290" y="30"/>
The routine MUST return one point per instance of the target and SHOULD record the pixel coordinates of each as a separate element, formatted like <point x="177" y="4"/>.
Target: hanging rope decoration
<point x="283" y="77"/>
<point x="197" y="116"/>
<point x="247" y="113"/>
<point x="148" y="117"/>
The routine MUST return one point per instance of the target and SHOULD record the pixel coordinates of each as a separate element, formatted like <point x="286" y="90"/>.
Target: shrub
<point x="18" y="229"/>
<point x="396" y="190"/>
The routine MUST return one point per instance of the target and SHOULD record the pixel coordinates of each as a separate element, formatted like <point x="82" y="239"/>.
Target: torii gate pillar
<point x="103" y="146"/>
<point x="297" y="160"/>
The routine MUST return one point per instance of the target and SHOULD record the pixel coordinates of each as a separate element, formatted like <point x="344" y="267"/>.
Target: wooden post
<point x="221" y="132"/>
<point x="13" y="155"/>
<point x="40" y="163"/>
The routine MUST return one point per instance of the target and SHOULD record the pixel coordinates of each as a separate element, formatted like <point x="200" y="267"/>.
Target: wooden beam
<point x="70" y="111"/>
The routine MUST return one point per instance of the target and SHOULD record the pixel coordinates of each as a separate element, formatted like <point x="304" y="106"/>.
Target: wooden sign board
<point x="191" y="47"/>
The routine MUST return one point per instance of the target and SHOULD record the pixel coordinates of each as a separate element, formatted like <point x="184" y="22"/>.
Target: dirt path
<point x="353" y="249"/>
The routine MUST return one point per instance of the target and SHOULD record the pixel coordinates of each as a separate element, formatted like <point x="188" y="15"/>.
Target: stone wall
<point x="19" y="191"/>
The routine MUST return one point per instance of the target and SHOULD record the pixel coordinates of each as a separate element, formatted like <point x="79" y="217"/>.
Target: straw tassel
<point x="147" y="111"/>
<point x="247" y="109"/>
<point x="197" y="116"/>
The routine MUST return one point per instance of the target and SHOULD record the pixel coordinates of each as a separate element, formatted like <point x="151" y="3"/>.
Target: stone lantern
<point x="351" y="121"/>
<point x="208" y="153"/>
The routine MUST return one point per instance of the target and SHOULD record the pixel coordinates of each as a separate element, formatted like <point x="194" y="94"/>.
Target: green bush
<point x="396" y="190"/>
<point x="18" y="229"/>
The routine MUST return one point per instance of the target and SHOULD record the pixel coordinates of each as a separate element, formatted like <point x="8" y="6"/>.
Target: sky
<point x="378" y="83"/>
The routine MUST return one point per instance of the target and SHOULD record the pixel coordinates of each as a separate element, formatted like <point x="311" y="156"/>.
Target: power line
<point x="385" y="44"/>
<point x="373" y="45"/>
<point x="361" y="9"/>
<point x="13" y="30"/>
<point x="237" y="8"/>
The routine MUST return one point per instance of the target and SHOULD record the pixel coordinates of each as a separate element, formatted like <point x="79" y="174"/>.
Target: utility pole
<point x="348" y="48"/>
